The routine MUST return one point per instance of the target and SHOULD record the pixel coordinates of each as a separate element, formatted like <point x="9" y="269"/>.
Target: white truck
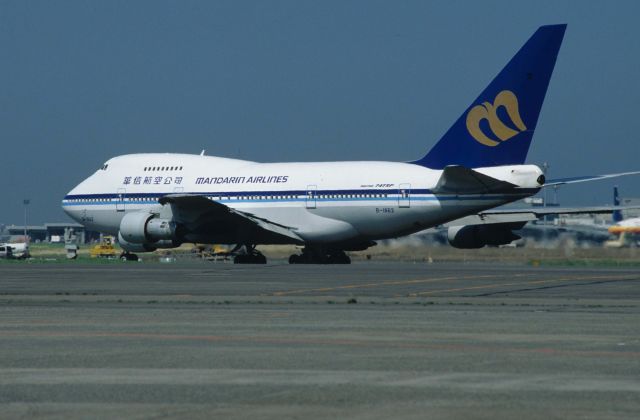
<point x="5" y="251"/>
<point x="17" y="251"/>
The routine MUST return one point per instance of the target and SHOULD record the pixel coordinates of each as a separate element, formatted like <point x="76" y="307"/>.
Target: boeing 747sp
<point x="154" y="200"/>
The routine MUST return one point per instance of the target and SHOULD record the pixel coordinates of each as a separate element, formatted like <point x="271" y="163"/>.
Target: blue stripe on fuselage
<point x="304" y="193"/>
<point x="246" y="193"/>
<point x="288" y="196"/>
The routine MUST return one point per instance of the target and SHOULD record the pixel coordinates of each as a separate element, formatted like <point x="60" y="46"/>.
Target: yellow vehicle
<point x="212" y="252"/>
<point x="104" y="249"/>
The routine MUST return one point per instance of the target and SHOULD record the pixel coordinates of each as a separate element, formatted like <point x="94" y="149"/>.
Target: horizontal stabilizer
<point x="543" y="211"/>
<point x="576" y="179"/>
<point x="460" y="180"/>
<point x="492" y="217"/>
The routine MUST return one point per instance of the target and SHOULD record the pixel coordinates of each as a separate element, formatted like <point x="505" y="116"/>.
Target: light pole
<point x="545" y="170"/>
<point x="26" y="202"/>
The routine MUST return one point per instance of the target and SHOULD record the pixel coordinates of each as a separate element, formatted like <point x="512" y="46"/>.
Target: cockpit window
<point x="104" y="167"/>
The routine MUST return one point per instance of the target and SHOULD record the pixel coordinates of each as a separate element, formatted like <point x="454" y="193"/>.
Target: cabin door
<point x="404" y="196"/>
<point x="310" y="198"/>
<point x="120" y="199"/>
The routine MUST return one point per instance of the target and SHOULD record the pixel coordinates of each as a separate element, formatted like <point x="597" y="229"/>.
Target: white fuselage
<point x="323" y="202"/>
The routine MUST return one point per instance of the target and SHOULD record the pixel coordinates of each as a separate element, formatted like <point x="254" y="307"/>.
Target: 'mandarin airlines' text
<point x="276" y="179"/>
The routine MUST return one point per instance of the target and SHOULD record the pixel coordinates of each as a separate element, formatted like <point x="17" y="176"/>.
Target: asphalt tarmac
<point x="369" y="340"/>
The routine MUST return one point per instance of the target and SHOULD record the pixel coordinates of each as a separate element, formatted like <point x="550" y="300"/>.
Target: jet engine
<point x="145" y="232"/>
<point x="146" y="247"/>
<point x="131" y="247"/>
<point x="477" y="236"/>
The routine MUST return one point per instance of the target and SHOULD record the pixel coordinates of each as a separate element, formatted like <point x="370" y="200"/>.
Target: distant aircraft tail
<point x="617" y="214"/>
<point x="498" y="126"/>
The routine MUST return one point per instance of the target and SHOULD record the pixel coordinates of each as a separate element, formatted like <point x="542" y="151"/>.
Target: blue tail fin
<point x="498" y="126"/>
<point x="616" y="215"/>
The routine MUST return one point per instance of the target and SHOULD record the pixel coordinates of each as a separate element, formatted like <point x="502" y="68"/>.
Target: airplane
<point x="623" y="228"/>
<point x="627" y="233"/>
<point x="631" y="225"/>
<point x="154" y="200"/>
<point x="586" y="231"/>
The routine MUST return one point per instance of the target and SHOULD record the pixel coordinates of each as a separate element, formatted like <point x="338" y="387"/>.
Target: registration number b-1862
<point x="384" y="209"/>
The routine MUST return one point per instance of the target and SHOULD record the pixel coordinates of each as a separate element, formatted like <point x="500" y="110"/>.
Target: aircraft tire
<point x="250" y="259"/>
<point x="338" y="258"/>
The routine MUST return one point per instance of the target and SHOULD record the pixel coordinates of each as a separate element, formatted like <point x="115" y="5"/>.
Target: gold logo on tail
<point x="488" y="111"/>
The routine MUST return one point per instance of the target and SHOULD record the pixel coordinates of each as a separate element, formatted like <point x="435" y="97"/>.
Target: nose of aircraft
<point x="69" y="204"/>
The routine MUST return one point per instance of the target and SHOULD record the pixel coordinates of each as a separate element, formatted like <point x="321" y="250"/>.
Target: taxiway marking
<point x="496" y="285"/>
<point x="381" y="284"/>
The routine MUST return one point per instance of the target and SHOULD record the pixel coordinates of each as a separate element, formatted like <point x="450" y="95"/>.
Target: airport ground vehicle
<point x="5" y="251"/>
<point x="105" y="249"/>
<point x="15" y="250"/>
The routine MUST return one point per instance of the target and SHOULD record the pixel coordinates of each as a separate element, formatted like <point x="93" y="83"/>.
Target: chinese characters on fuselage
<point x="152" y="180"/>
<point x="177" y="180"/>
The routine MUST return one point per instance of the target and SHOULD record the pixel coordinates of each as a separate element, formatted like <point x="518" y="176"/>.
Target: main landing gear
<point x="128" y="256"/>
<point x="250" y="256"/>
<point x="317" y="256"/>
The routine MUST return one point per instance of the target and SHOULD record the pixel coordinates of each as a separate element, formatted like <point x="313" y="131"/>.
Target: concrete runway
<point x="199" y="340"/>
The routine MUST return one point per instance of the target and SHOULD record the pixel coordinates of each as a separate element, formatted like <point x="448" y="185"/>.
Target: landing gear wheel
<point x="295" y="259"/>
<point x="310" y="257"/>
<point x="254" y="258"/>
<point x="126" y="256"/>
<point x="339" y="258"/>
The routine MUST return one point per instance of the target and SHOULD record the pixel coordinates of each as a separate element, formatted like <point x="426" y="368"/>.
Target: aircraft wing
<point x="461" y="180"/>
<point x="529" y="215"/>
<point x="576" y="179"/>
<point x="543" y="211"/>
<point x="194" y="208"/>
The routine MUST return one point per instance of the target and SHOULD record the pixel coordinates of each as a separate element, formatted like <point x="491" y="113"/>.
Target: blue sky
<point x="83" y="81"/>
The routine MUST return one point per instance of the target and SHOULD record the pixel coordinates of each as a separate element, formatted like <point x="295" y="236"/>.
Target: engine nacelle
<point x="133" y="247"/>
<point x="166" y="244"/>
<point x="161" y="230"/>
<point x="477" y="236"/>
<point x="141" y="228"/>
<point x="146" y="247"/>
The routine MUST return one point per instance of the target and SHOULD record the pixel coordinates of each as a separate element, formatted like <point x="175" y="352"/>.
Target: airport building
<point x="52" y="232"/>
<point x="629" y="213"/>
